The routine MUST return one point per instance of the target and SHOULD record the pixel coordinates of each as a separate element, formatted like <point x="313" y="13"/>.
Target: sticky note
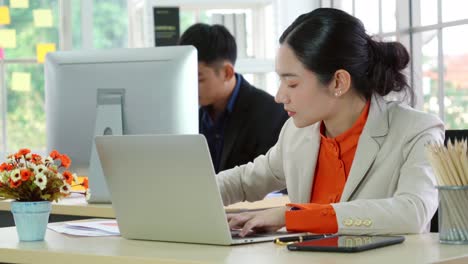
<point x="4" y="15"/>
<point x="2" y="54"/>
<point x="19" y="3"/>
<point x="21" y="81"/>
<point x="43" y="18"/>
<point x="8" y="38"/>
<point x="42" y="49"/>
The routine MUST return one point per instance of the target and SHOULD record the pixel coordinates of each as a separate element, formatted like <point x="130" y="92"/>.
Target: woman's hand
<point x="268" y="220"/>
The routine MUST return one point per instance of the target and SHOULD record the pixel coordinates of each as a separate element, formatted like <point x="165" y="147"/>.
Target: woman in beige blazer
<point x="329" y="70"/>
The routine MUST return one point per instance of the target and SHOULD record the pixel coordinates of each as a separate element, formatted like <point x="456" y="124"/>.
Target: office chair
<point x="449" y="135"/>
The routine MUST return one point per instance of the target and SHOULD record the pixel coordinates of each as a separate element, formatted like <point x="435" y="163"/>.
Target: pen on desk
<point x="297" y="239"/>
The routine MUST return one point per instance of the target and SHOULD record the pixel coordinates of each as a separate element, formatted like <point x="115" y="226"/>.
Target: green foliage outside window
<point x="26" y="119"/>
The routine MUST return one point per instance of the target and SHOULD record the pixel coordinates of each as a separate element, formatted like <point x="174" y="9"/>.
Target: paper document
<point x="88" y="228"/>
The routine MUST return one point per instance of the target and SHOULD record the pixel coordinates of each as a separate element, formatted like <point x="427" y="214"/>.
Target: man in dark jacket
<point x="239" y="121"/>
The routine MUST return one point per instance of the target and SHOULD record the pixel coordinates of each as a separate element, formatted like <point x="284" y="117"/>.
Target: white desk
<point x="58" y="248"/>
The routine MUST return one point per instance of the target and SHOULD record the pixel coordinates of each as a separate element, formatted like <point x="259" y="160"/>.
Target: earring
<point x="337" y="93"/>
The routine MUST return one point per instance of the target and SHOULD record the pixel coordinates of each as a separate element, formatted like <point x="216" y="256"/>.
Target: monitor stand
<point x="108" y="122"/>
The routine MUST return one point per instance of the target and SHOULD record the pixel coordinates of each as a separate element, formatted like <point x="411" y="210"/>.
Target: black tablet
<point x="344" y="243"/>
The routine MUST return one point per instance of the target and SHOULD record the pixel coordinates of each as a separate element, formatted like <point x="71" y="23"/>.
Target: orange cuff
<point x="312" y="217"/>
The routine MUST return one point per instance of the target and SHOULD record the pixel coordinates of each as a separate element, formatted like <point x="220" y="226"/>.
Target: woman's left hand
<point x="268" y="220"/>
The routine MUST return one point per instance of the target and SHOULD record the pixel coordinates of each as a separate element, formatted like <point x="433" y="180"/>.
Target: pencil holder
<point x="453" y="214"/>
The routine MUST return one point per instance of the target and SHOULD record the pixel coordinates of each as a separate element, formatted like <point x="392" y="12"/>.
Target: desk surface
<point x="58" y="248"/>
<point x="79" y="207"/>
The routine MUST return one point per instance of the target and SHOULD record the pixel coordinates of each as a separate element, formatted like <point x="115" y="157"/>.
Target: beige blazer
<point x="390" y="187"/>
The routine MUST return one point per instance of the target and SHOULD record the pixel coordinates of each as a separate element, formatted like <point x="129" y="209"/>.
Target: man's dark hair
<point x="214" y="43"/>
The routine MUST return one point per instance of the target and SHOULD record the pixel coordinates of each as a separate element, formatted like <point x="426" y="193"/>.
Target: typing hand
<point x="268" y="220"/>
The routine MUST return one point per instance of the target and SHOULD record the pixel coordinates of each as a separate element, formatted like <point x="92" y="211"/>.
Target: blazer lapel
<point x="368" y="146"/>
<point x="309" y="151"/>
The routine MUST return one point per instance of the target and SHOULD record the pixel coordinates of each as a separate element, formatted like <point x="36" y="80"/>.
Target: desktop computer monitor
<point x="114" y="92"/>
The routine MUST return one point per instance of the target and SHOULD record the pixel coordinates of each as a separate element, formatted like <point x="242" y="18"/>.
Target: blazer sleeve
<point x="254" y="180"/>
<point x="415" y="200"/>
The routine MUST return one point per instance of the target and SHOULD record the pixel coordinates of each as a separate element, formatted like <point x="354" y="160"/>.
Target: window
<point x="22" y="115"/>
<point x="435" y="34"/>
<point x="22" y="87"/>
<point x="110" y="24"/>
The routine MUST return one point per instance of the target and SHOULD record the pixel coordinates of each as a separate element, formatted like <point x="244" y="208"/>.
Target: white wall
<point x="288" y="11"/>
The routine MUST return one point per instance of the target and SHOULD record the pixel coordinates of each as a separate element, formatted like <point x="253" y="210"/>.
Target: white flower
<point x="75" y="178"/>
<point x="49" y="159"/>
<point x="59" y="175"/>
<point x="41" y="181"/>
<point x="2" y="175"/>
<point x="40" y="169"/>
<point x="88" y="194"/>
<point x="65" y="188"/>
<point x="15" y="175"/>
<point x="28" y="156"/>
<point x="11" y="160"/>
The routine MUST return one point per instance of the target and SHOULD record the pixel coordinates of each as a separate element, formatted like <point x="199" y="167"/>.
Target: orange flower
<point x="68" y="177"/>
<point x="36" y="159"/>
<point x="65" y="161"/>
<point x="25" y="174"/>
<point x="6" y="167"/>
<point x="13" y="184"/>
<point x="55" y="154"/>
<point x="3" y="167"/>
<point x="22" y="152"/>
<point x="85" y="183"/>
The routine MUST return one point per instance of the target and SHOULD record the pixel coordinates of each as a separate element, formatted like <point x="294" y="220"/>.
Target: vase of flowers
<point x="34" y="182"/>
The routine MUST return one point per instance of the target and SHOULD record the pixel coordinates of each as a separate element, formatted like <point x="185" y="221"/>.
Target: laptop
<point x="163" y="188"/>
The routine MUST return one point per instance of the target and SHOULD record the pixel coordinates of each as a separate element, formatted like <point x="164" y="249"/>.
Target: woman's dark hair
<point x="326" y="40"/>
<point x="214" y="43"/>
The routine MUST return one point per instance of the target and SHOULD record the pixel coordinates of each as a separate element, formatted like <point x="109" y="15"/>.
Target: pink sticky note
<point x="2" y="54"/>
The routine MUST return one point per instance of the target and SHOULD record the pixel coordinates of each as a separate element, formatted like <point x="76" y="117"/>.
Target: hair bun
<point x="387" y="60"/>
<point x="392" y="54"/>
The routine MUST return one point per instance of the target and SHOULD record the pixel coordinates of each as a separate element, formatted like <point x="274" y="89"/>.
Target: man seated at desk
<point x="239" y="121"/>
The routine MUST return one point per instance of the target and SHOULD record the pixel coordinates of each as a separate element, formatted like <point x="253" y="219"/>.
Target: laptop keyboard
<point x="235" y="234"/>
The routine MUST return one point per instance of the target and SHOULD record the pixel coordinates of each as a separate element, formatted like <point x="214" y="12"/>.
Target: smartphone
<point x="345" y="243"/>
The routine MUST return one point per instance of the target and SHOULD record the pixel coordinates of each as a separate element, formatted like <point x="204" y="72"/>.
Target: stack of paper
<point x="88" y="228"/>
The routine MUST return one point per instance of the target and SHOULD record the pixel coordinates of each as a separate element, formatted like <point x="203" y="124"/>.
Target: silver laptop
<point x="163" y="188"/>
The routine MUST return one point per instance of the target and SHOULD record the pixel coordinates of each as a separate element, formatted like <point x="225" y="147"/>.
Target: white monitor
<point x="114" y="92"/>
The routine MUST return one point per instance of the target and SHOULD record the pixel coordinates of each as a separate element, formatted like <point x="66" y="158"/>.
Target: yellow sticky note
<point x="8" y="38"/>
<point x="42" y="49"/>
<point x="43" y="18"/>
<point x="4" y="15"/>
<point x="19" y="3"/>
<point x="21" y="81"/>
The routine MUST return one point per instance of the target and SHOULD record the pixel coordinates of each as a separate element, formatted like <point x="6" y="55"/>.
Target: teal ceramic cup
<point x="31" y="219"/>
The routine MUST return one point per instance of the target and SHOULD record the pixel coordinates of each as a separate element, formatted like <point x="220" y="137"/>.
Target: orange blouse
<point x="331" y="172"/>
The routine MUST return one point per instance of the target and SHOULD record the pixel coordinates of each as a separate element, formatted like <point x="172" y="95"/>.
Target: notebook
<point x="163" y="188"/>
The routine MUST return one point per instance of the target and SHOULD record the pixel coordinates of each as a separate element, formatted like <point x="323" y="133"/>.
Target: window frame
<point x="406" y="12"/>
